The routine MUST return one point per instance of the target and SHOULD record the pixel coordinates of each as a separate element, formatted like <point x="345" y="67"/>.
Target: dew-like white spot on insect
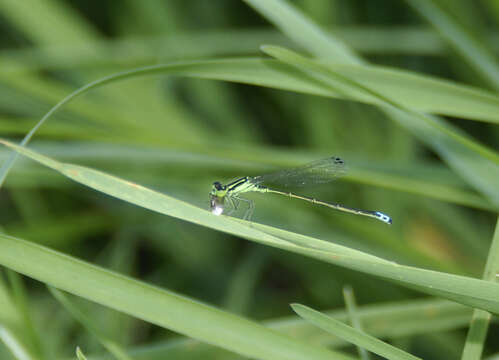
<point x="217" y="210"/>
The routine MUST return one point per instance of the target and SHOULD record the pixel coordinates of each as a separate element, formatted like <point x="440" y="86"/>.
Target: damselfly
<point x="317" y="172"/>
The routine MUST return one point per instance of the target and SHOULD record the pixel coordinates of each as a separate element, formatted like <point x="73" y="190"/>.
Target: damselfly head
<point x="217" y="188"/>
<point x="216" y="204"/>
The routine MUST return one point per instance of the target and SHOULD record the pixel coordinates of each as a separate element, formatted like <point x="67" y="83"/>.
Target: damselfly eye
<point x="218" y="185"/>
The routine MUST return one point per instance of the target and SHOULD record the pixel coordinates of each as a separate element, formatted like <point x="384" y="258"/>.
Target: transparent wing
<point x="316" y="172"/>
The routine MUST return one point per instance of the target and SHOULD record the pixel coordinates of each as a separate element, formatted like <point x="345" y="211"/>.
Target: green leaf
<point x="468" y="291"/>
<point x="352" y="335"/>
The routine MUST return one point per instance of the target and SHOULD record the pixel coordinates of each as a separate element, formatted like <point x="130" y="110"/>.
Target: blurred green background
<point x="177" y="135"/>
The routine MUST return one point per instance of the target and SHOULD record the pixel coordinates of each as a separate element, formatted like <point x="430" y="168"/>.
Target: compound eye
<point x="217" y="185"/>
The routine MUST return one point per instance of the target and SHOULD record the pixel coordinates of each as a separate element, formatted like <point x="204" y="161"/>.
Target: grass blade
<point x="435" y="132"/>
<point x="351" y="307"/>
<point x="413" y="178"/>
<point x="460" y="151"/>
<point x="114" y="348"/>
<point x="480" y="321"/>
<point x="302" y="31"/>
<point x="463" y="42"/>
<point x="352" y="335"/>
<point x="79" y="354"/>
<point x="13" y="343"/>
<point x="12" y="332"/>
<point x="475" y="104"/>
<point x="468" y="291"/>
<point x="157" y="306"/>
<point x="387" y="320"/>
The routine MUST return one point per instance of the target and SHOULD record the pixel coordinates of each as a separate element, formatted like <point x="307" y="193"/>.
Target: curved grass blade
<point x="476" y="163"/>
<point x="275" y="74"/>
<point x="468" y="291"/>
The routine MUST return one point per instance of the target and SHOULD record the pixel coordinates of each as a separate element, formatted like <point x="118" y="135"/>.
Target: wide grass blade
<point x="157" y="306"/>
<point x="392" y="320"/>
<point x="352" y="335"/>
<point x="435" y="181"/>
<point x="468" y="291"/>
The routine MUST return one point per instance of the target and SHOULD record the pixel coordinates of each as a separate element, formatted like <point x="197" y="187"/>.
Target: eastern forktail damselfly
<point x="317" y="172"/>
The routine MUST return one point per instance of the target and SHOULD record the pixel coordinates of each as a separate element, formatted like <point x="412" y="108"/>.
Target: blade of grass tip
<point x="79" y="354"/>
<point x="113" y="347"/>
<point x="351" y="335"/>
<point x="480" y="320"/>
<point x="460" y="39"/>
<point x="298" y="28"/>
<point x="459" y="151"/>
<point x="354" y="318"/>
